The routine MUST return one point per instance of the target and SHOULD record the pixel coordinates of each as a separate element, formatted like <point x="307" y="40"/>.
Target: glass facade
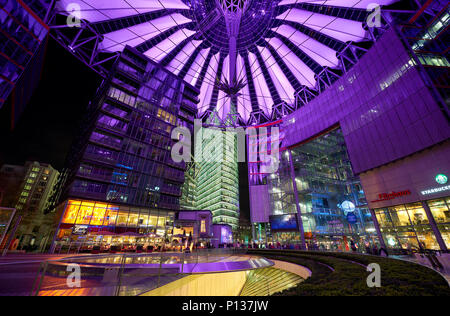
<point x="188" y="190"/>
<point x="332" y="203"/>
<point x="430" y="45"/>
<point x="408" y="226"/>
<point x="217" y="179"/>
<point x="89" y="223"/>
<point x="123" y="155"/>
<point x="127" y="158"/>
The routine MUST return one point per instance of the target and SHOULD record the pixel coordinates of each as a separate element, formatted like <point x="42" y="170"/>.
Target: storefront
<point x="410" y="200"/>
<point x="89" y="225"/>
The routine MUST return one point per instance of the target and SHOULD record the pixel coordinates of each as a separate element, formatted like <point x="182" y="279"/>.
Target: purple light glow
<point x="197" y="24"/>
<point x="158" y="52"/>
<point x="340" y="29"/>
<point x="280" y="80"/>
<point x="262" y="90"/>
<point x="361" y="4"/>
<point x="321" y="53"/>
<point x="300" y="70"/>
<point x="102" y="10"/>
<point x="137" y="34"/>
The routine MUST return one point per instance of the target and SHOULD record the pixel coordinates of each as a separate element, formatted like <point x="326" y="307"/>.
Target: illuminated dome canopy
<point x="253" y="60"/>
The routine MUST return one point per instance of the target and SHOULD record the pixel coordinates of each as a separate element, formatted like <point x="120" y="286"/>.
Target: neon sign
<point x="441" y="179"/>
<point x="391" y="196"/>
<point x="436" y="190"/>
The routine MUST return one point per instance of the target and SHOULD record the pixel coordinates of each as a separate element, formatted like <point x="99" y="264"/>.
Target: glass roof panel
<point x="173" y="30"/>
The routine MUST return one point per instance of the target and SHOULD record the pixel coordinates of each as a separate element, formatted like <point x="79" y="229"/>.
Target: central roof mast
<point x="232" y="11"/>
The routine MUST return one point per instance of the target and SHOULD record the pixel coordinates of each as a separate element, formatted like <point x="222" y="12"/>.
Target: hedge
<point x="398" y="278"/>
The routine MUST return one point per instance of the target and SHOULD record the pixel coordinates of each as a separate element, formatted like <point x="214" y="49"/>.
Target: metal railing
<point x="124" y="274"/>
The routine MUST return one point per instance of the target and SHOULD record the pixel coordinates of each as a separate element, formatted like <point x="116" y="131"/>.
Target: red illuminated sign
<point x="391" y="196"/>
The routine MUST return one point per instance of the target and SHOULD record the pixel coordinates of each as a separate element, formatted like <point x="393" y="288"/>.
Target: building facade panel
<point x="377" y="104"/>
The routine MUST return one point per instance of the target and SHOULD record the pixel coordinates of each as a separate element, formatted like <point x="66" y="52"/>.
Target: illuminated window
<point x="85" y="213"/>
<point x="440" y="211"/>
<point x="203" y="226"/>
<point x="122" y="218"/>
<point x="71" y="212"/>
<point x="99" y="214"/>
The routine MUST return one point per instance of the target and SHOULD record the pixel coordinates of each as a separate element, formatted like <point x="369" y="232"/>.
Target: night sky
<point x="50" y="121"/>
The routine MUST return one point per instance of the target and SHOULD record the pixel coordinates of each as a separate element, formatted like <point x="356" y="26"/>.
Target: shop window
<point x="161" y="222"/>
<point x="85" y="213"/>
<point x="445" y="233"/>
<point x="203" y="226"/>
<point x="143" y="219"/>
<point x="399" y="216"/>
<point x="408" y="240"/>
<point x="426" y="237"/>
<point x="383" y="218"/>
<point x="70" y="215"/>
<point x="440" y="211"/>
<point x="111" y="217"/>
<point x="99" y="214"/>
<point x="153" y="220"/>
<point x="133" y="218"/>
<point x="122" y="218"/>
<point x="417" y="214"/>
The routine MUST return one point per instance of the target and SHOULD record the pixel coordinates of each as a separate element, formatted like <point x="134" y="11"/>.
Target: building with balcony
<point x="28" y="189"/>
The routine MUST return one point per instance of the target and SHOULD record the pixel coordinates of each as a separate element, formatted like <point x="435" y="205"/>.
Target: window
<point x="440" y="211"/>
<point x="203" y="226"/>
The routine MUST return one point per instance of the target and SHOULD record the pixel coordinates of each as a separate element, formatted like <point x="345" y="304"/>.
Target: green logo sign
<point x="441" y="179"/>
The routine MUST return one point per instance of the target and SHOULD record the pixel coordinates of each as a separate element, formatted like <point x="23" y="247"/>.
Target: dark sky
<point x="50" y="121"/>
<point x="46" y="129"/>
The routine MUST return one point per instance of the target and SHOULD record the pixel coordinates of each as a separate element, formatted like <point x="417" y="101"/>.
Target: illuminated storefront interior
<point x="89" y="223"/>
<point x="332" y="203"/>
<point x="408" y="226"/>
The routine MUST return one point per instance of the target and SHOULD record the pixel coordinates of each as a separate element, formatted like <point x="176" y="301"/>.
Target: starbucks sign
<point x="441" y="179"/>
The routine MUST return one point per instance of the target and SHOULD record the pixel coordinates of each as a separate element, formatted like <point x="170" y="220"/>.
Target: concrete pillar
<point x="377" y="227"/>
<point x="297" y="203"/>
